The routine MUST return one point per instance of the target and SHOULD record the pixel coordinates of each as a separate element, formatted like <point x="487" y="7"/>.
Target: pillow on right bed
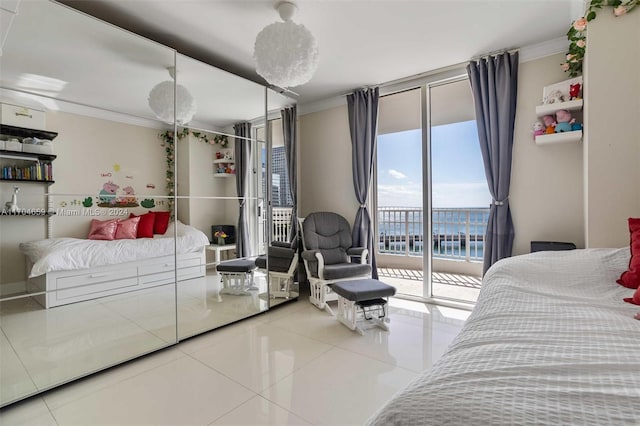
<point x="631" y="277"/>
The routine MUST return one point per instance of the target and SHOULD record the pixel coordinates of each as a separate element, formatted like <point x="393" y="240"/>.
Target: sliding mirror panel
<point x="87" y="275"/>
<point x="278" y="185"/>
<point x="216" y="179"/>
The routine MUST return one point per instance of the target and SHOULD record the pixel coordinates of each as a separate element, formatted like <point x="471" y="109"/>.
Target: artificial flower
<point x="581" y="43"/>
<point x="580" y="24"/>
<point x="620" y="10"/>
<point x="565" y="66"/>
<point x="570" y="56"/>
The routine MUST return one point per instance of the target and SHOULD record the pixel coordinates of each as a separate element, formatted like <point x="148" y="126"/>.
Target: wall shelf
<point x="27" y="156"/>
<point x="223" y="175"/>
<point x="223" y="161"/>
<point x="550" y="109"/>
<point x="558" y="138"/>
<point x="28" y="181"/>
<point x="22" y="132"/>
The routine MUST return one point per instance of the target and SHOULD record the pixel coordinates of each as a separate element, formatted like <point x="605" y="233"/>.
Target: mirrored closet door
<point x="87" y="279"/>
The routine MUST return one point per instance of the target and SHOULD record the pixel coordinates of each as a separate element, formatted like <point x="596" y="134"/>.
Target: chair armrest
<point x="314" y="258"/>
<point x="310" y="255"/>
<point x="361" y="252"/>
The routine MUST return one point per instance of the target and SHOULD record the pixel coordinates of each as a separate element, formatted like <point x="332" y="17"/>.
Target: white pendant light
<point x="286" y="53"/>
<point x="161" y="101"/>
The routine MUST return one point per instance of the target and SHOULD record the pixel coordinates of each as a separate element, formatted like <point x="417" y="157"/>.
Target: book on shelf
<point x="36" y="172"/>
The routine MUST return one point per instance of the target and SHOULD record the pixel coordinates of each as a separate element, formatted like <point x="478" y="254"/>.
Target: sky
<point x="458" y="178"/>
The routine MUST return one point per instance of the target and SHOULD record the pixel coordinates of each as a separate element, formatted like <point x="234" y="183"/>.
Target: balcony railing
<point x="281" y="219"/>
<point x="458" y="233"/>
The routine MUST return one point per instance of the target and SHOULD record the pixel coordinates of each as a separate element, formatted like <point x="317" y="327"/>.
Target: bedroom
<point x="602" y="226"/>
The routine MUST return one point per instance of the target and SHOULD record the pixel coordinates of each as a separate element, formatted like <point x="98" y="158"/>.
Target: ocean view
<point x="400" y="231"/>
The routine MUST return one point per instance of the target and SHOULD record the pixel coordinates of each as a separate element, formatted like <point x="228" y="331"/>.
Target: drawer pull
<point x="23" y="115"/>
<point x="98" y="275"/>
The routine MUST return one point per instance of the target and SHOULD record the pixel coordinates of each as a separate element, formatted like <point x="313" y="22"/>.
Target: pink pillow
<point x="103" y="230"/>
<point x="631" y="277"/>
<point x="127" y="229"/>
<point x="145" y="226"/>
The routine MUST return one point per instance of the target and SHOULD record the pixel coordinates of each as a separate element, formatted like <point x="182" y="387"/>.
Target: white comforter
<point x="64" y="254"/>
<point x="550" y="342"/>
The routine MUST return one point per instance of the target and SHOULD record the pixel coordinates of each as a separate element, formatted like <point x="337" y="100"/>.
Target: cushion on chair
<point x="326" y="230"/>
<point x="237" y="265"/>
<point x="345" y="270"/>
<point x="365" y="289"/>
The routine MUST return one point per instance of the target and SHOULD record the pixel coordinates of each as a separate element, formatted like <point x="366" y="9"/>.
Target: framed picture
<point x="559" y="92"/>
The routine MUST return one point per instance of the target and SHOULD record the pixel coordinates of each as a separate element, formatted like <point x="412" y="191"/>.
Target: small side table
<point x="217" y="248"/>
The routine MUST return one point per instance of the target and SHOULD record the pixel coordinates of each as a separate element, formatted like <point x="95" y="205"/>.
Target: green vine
<point x="577" y="34"/>
<point x="168" y="143"/>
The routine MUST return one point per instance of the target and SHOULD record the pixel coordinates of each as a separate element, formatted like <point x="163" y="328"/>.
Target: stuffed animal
<point x="576" y="126"/>
<point x="549" y="123"/>
<point x="574" y="91"/>
<point x="554" y="97"/>
<point x="564" y="121"/>
<point x="538" y="129"/>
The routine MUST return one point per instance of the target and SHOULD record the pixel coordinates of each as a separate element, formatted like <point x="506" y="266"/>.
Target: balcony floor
<point x="445" y="285"/>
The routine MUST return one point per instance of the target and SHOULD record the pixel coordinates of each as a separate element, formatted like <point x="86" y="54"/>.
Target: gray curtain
<point x="494" y="82"/>
<point x="363" y="123"/>
<point x="243" y="174"/>
<point x="289" y="127"/>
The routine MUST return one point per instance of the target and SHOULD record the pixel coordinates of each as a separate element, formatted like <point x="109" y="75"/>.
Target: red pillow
<point x="162" y="222"/>
<point x="103" y="230"/>
<point x="145" y="226"/>
<point x="631" y="278"/>
<point x="127" y="229"/>
<point x="635" y="299"/>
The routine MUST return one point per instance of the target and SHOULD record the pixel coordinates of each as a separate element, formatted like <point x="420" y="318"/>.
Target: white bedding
<point x="64" y="254"/>
<point x="550" y="342"/>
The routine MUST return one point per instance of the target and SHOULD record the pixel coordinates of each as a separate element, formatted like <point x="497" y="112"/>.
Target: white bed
<point x="72" y="270"/>
<point x="550" y="342"/>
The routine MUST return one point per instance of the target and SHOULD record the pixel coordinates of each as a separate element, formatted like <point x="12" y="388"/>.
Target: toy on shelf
<point x="564" y="121"/>
<point x="549" y="123"/>
<point x="574" y="91"/>
<point x="538" y="129"/>
<point x="218" y="155"/>
<point x="554" y="97"/>
<point x="12" y="206"/>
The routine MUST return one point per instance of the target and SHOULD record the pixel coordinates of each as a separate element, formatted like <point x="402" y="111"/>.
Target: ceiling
<point x="361" y="42"/>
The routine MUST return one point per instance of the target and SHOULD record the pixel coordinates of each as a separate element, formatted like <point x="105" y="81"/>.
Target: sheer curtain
<point x="494" y="83"/>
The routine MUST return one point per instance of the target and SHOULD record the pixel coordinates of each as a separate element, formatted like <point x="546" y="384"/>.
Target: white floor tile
<point x="182" y="392"/>
<point x="262" y="356"/>
<point x="258" y="412"/>
<point x="338" y="388"/>
<point x="32" y="412"/>
<point x="15" y="382"/>
<point x="82" y="388"/>
<point x="311" y="322"/>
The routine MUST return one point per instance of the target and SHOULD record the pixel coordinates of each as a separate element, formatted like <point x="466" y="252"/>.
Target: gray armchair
<point x="326" y="239"/>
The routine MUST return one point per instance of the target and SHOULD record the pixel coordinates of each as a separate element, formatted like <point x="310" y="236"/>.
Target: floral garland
<point x="577" y="34"/>
<point x="168" y="143"/>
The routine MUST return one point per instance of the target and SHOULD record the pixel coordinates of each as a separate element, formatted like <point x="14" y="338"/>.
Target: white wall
<point x="612" y="134"/>
<point x="326" y="182"/>
<point x="546" y="196"/>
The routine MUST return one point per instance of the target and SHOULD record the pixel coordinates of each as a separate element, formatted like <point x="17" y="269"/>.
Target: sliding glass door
<point x="431" y="192"/>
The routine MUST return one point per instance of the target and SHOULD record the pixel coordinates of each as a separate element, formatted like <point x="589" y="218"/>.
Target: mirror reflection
<point x="86" y="281"/>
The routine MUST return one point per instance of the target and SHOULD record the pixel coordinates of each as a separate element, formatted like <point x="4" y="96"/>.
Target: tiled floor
<point x="292" y="365"/>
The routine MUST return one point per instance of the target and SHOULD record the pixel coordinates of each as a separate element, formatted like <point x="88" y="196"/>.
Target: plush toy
<point x="576" y="126"/>
<point x="564" y="121"/>
<point x="574" y="91"/>
<point x="549" y="123"/>
<point x="538" y="129"/>
<point x="554" y="97"/>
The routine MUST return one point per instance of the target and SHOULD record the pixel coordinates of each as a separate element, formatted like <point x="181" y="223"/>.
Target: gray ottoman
<point x="237" y="276"/>
<point x="362" y="302"/>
